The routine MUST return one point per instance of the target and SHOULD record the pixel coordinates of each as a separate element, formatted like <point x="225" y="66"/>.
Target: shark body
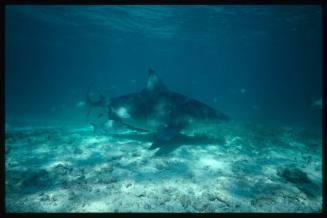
<point x="158" y="110"/>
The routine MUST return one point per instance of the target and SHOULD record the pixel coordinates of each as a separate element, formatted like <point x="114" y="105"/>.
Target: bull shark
<point x="154" y="109"/>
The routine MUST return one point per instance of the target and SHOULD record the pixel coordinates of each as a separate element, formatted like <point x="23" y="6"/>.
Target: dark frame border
<point x="320" y="3"/>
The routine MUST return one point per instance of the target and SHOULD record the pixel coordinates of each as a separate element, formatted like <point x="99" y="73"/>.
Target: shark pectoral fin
<point x="165" y="136"/>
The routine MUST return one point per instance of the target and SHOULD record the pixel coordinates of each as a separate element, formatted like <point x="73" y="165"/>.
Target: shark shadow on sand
<point x="173" y="144"/>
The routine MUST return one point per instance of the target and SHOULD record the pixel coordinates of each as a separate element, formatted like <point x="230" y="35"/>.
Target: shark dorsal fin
<point x="154" y="83"/>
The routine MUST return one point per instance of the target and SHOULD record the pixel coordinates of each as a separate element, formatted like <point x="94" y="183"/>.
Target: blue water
<point x="260" y="65"/>
<point x="207" y="52"/>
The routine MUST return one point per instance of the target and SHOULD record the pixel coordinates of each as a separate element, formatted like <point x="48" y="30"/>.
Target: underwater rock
<point x="301" y="180"/>
<point x="311" y="190"/>
<point x="294" y="175"/>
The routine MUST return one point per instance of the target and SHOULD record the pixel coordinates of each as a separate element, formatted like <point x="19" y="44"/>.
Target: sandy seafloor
<point x="236" y="168"/>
